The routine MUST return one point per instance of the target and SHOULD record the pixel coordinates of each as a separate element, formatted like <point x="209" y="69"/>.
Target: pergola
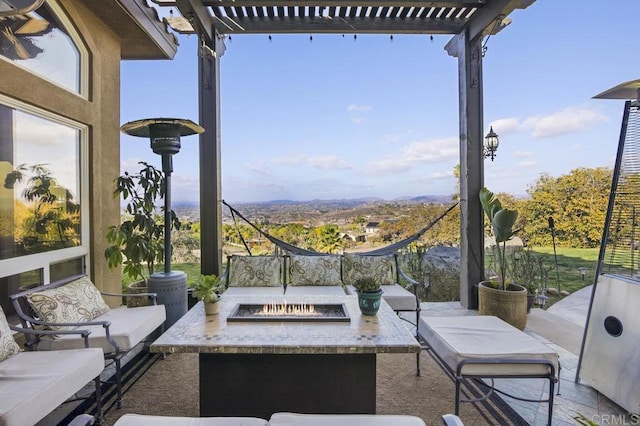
<point x="469" y="21"/>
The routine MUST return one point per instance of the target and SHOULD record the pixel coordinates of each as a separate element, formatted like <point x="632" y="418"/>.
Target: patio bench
<point x="75" y="304"/>
<point x="33" y="384"/>
<point x="486" y="347"/>
<point x="277" y="419"/>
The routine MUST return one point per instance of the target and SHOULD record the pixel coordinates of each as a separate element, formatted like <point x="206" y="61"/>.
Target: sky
<point x="338" y="118"/>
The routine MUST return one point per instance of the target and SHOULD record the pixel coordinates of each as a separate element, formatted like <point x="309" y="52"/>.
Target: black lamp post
<point x="165" y="134"/>
<point x="491" y="143"/>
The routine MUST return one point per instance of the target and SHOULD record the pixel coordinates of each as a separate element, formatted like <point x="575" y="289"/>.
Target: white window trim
<point x="43" y="261"/>
<point x="82" y="50"/>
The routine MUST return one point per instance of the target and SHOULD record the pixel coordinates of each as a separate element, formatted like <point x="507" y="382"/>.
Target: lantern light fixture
<point x="491" y="143"/>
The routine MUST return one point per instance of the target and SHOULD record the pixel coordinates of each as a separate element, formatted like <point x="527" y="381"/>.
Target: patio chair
<point x="386" y="270"/>
<point x="33" y="384"/>
<point x="74" y="304"/>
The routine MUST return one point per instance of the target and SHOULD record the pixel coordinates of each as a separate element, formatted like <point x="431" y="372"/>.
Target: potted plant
<point x="208" y="289"/>
<point x="369" y="294"/>
<point x="507" y="301"/>
<point x="138" y="241"/>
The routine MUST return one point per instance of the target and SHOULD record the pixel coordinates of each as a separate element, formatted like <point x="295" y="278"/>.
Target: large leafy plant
<point x="502" y="221"/>
<point x="138" y="242"/>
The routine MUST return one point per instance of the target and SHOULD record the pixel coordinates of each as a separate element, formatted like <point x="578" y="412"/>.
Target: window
<point x="44" y="42"/>
<point x="43" y="194"/>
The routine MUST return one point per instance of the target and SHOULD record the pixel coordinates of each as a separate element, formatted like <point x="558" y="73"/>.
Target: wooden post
<point x="469" y="54"/>
<point x="210" y="170"/>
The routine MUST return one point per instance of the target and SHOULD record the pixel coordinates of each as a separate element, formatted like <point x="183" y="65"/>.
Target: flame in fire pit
<point x="284" y="309"/>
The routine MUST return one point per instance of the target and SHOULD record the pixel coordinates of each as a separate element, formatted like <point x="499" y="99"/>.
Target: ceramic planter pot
<point x="137" y="288"/>
<point x="369" y="302"/>
<point x="509" y="305"/>
<point x="212" y="308"/>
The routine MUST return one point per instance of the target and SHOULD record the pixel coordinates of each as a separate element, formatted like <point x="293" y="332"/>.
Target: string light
<point x="391" y="38"/>
<point x="355" y="37"/>
<point x="311" y="37"/>
<point x="431" y="37"/>
<point x="229" y="38"/>
<point x="269" y="37"/>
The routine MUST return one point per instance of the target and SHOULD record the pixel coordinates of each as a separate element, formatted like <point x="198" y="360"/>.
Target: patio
<point x="170" y="386"/>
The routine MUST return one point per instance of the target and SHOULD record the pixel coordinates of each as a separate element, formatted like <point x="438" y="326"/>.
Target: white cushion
<point x="292" y="419"/>
<point x="464" y="338"/>
<point x="255" y="271"/>
<point x="321" y="290"/>
<point x="140" y="420"/>
<point x="32" y="384"/>
<point x="252" y="291"/>
<point x="77" y="301"/>
<point x="129" y="326"/>
<point x="315" y="270"/>
<point x="399" y="298"/>
<point x="8" y="346"/>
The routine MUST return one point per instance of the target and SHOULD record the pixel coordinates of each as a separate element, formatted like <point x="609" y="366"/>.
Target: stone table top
<point x="200" y="333"/>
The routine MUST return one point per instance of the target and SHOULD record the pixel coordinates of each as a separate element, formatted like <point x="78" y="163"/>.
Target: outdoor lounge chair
<point x="33" y="384"/>
<point x="74" y="304"/>
<point x="486" y="347"/>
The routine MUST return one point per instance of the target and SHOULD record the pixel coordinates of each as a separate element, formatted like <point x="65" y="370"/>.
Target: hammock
<point x="291" y="249"/>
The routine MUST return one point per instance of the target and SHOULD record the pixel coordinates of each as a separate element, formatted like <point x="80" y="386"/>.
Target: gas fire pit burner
<point x="277" y="311"/>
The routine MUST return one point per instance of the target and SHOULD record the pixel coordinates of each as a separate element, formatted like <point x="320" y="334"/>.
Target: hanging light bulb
<point x="355" y="37"/>
<point x="229" y="38"/>
<point x="311" y="37"/>
<point x="431" y="38"/>
<point x="391" y="38"/>
<point x="269" y="37"/>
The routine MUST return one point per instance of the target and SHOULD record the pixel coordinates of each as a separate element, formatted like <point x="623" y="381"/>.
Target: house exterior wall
<point x="100" y="112"/>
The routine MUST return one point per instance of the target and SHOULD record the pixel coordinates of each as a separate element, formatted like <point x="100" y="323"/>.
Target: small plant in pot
<point x="369" y="295"/>
<point x="507" y="301"/>
<point x="208" y="289"/>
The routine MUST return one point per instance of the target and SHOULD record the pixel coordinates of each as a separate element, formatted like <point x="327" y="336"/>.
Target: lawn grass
<point x="569" y="260"/>
<point x="191" y="269"/>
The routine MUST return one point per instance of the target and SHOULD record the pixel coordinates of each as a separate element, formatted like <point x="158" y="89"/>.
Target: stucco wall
<point x="101" y="112"/>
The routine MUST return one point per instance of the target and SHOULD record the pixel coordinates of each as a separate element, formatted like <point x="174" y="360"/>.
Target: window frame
<point x="78" y="43"/>
<point x="20" y="264"/>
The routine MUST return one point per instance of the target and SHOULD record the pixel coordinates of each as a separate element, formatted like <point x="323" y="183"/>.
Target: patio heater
<point x="609" y="358"/>
<point x="165" y="133"/>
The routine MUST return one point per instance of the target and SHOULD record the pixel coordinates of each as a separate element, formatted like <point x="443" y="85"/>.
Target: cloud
<point x="359" y="108"/>
<point x="357" y="112"/>
<point x="568" y="120"/>
<point x="433" y="151"/>
<point x="258" y="168"/>
<point x="446" y="175"/>
<point x="319" y="162"/>
<point x="523" y="154"/>
<point x="505" y="126"/>
<point x="565" y="121"/>
<point x="527" y="163"/>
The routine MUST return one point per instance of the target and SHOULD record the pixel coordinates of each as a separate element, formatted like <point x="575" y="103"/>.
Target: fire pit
<point x="283" y="311"/>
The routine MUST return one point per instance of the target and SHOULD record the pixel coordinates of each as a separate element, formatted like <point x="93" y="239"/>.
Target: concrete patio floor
<point x="561" y="327"/>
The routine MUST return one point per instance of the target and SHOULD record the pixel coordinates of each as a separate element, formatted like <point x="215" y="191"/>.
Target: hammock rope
<point x="382" y="251"/>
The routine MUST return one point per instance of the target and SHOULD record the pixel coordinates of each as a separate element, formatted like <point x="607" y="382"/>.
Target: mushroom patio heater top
<point x="165" y="134"/>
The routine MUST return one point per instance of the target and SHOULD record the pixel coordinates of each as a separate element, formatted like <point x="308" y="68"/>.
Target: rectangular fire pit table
<point x="260" y="368"/>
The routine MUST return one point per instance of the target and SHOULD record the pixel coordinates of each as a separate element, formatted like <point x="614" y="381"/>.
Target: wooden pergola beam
<point x="344" y="3"/>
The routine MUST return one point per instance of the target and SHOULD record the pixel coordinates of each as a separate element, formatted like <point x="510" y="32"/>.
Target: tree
<point x="578" y="203"/>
